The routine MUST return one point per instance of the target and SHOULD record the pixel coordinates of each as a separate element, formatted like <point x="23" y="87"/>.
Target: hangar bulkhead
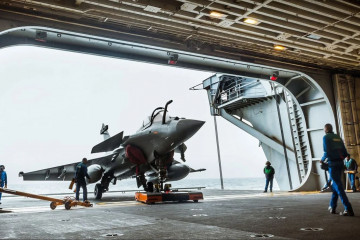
<point x="285" y="68"/>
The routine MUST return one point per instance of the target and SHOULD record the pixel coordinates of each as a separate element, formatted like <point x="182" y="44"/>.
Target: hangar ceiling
<point x="322" y="33"/>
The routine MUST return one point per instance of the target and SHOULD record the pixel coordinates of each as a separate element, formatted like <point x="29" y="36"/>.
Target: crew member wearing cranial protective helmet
<point x="3" y="179"/>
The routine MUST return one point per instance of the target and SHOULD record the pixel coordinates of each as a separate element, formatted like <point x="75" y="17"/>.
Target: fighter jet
<point x="147" y="155"/>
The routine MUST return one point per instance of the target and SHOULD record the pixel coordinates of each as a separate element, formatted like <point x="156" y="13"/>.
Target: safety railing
<point x="242" y="90"/>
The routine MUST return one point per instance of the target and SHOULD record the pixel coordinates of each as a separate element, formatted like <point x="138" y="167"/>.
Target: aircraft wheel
<point x="98" y="191"/>
<point x="53" y="205"/>
<point x="196" y="200"/>
<point x="67" y="205"/>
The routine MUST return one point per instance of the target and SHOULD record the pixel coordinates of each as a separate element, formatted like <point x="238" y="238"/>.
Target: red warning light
<point x="172" y="62"/>
<point x="173" y="58"/>
<point x="40" y="40"/>
<point x="274" y="76"/>
<point x="41" y="36"/>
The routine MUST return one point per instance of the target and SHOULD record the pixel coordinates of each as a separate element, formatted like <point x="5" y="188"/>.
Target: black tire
<point x="53" y="205"/>
<point x="150" y="187"/>
<point x="98" y="191"/>
<point x="196" y="201"/>
<point x="67" y="205"/>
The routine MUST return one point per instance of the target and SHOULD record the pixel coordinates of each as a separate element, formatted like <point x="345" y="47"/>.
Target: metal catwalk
<point x="287" y="115"/>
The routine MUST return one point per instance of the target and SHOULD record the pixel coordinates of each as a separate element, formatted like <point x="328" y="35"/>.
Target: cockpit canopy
<point x="157" y="116"/>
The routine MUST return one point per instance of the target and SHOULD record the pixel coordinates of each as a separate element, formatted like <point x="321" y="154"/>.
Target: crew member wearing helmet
<point x="269" y="172"/>
<point x="3" y="178"/>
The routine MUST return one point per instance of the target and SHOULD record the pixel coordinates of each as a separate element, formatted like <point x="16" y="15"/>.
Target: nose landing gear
<point x="162" y="162"/>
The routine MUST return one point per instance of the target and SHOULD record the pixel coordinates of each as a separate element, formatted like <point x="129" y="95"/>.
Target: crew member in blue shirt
<point x="350" y="165"/>
<point x="3" y="179"/>
<point x="80" y="174"/>
<point x="335" y="152"/>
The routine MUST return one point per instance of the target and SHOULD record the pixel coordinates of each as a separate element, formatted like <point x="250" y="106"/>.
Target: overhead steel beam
<point x="281" y="22"/>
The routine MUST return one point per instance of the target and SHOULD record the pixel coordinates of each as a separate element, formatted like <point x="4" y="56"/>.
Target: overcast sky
<point x="52" y="105"/>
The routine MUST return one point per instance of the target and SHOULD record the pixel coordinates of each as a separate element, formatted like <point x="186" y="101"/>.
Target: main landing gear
<point x="98" y="191"/>
<point x="141" y="181"/>
<point x="103" y="186"/>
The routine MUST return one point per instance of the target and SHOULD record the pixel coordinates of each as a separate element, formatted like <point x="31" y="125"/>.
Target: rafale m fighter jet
<point x="147" y="155"/>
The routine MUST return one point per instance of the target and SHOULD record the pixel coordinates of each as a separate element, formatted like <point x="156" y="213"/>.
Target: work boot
<point x="332" y="210"/>
<point x="264" y="191"/>
<point x="324" y="188"/>
<point x="348" y="212"/>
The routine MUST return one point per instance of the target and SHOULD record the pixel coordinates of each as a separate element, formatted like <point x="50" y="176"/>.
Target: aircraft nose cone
<point x="187" y="127"/>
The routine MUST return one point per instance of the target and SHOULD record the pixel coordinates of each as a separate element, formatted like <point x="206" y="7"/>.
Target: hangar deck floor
<point x="222" y="215"/>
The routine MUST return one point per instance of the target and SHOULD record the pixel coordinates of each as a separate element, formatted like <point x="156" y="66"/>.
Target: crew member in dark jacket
<point x="335" y="152"/>
<point x="269" y="172"/>
<point x="80" y="174"/>
<point x="350" y="165"/>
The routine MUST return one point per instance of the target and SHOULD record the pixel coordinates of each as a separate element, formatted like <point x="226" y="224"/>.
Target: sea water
<point x="52" y="187"/>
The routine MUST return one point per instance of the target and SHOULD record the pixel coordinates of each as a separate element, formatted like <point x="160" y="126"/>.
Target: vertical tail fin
<point x="104" y="131"/>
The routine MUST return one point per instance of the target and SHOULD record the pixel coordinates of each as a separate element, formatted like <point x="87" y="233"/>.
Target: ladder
<point x="298" y="134"/>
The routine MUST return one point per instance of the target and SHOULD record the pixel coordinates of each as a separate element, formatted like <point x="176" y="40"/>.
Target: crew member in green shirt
<point x="269" y="172"/>
<point x="351" y="167"/>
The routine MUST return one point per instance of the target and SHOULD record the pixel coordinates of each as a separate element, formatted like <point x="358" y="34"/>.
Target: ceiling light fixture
<point x="279" y="47"/>
<point x="251" y="21"/>
<point x="216" y="14"/>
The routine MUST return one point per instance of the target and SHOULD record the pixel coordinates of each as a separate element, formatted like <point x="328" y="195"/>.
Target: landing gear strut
<point x="103" y="186"/>
<point x="161" y="165"/>
<point x="141" y="181"/>
<point x="150" y="187"/>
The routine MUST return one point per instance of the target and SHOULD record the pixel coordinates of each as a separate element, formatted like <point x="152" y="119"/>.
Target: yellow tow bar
<point x="67" y="201"/>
